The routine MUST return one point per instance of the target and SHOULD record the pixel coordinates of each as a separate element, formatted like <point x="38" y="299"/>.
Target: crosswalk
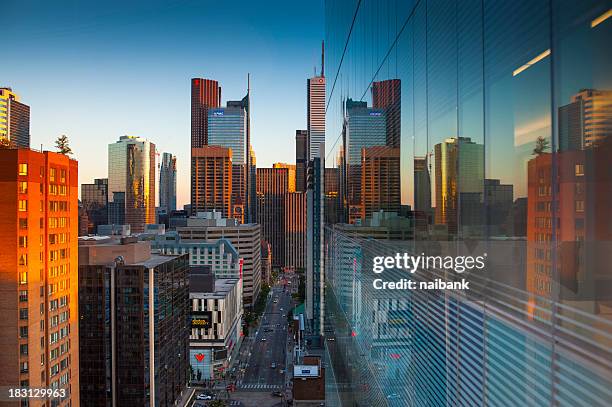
<point x="235" y="403"/>
<point x="259" y="386"/>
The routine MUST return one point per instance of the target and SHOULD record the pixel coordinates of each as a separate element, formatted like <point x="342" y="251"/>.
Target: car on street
<point x="273" y="365"/>
<point x="277" y="394"/>
<point x="263" y="339"/>
<point x="203" y="396"/>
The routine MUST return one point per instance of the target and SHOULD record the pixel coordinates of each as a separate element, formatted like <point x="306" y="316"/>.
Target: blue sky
<point x="97" y="70"/>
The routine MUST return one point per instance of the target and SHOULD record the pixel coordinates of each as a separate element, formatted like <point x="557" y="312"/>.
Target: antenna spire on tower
<point x="322" y="58"/>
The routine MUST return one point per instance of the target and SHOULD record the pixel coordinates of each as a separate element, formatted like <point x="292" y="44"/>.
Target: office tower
<point x="272" y="185"/>
<point x="215" y="316"/>
<point x="363" y="127"/>
<point x="38" y="273"/>
<point x="295" y="229"/>
<point x="291" y="174"/>
<point x="422" y="193"/>
<point x="205" y="94"/>
<point x="315" y="115"/>
<point x="301" y="159"/>
<point x="498" y="199"/>
<point x="380" y="180"/>
<point x="315" y="280"/>
<point x="94" y="198"/>
<point x="211" y="180"/>
<point x="387" y="95"/>
<point x="227" y="128"/>
<point x="131" y="172"/>
<point x="167" y="183"/>
<point x="266" y="262"/>
<point x="252" y="187"/>
<point x="459" y="182"/>
<point x="333" y="209"/>
<point x="133" y="333"/>
<point x="586" y="120"/>
<point x="246" y="239"/>
<point x="14" y="119"/>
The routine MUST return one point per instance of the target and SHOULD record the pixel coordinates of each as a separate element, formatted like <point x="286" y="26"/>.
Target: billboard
<point x="201" y="319"/>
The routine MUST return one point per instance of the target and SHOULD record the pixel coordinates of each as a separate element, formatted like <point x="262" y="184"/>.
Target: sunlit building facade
<point x="14" y="119"/>
<point x="211" y="180"/>
<point x="505" y="119"/>
<point x="131" y="175"/>
<point x="39" y="273"/>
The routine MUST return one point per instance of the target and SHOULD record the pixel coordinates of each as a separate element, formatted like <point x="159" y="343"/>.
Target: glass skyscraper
<point x="167" y="182"/>
<point x="504" y="132"/>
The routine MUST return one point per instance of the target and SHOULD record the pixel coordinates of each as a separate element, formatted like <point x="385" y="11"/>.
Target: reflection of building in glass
<point x="498" y="199"/>
<point x="459" y="182"/>
<point x="586" y="120"/>
<point x="380" y="180"/>
<point x="422" y="193"/>
<point x="295" y="229"/>
<point x="14" y="119"/>
<point x="333" y="205"/>
<point x="167" y="183"/>
<point x="215" y="323"/>
<point x="94" y="198"/>
<point x="301" y="159"/>
<point x="38" y="273"/>
<point x="363" y="127"/>
<point x="131" y="170"/>
<point x="136" y="354"/>
<point x="272" y="185"/>
<point x="387" y="95"/>
<point x="211" y="180"/>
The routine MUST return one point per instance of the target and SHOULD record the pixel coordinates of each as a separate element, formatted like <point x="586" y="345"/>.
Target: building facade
<point x="94" y="198"/>
<point x="38" y="273"/>
<point x="301" y="159"/>
<point x="315" y="261"/>
<point x="131" y="182"/>
<point x="295" y="229"/>
<point x="315" y="116"/>
<point x="211" y="180"/>
<point x="246" y="239"/>
<point x="167" y="183"/>
<point x="272" y="185"/>
<point x="205" y="94"/>
<point x="14" y="119"/>
<point x="137" y="354"/>
<point x="380" y="184"/>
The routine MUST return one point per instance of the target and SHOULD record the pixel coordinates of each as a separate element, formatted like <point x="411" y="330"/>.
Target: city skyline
<point x="84" y="66"/>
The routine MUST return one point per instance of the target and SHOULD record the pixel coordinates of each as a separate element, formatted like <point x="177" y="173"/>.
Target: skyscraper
<point x="315" y="278"/>
<point x="459" y="182"/>
<point x="291" y="180"/>
<point x="211" y="180"/>
<point x="380" y="180"/>
<point x="363" y="127"/>
<point x="301" y="159"/>
<point x="333" y="205"/>
<point x="38" y="273"/>
<point x="315" y="116"/>
<point x="131" y="172"/>
<point x="94" y="198"/>
<point x="227" y="128"/>
<point x="295" y="229"/>
<point x="14" y="119"/>
<point x="205" y="94"/>
<point x="167" y="183"/>
<point x="133" y="332"/>
<point x="387" y="95"/>
<point x="272" y="185"/>
<point x="422" y="193"/>
<point x="586" y="120"/>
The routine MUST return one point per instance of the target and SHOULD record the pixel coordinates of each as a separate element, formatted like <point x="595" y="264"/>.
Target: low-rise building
<point x="309" y="382"/>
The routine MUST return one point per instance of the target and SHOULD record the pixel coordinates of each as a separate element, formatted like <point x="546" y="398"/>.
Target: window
<point x="23" y="223"/>
<point x="23" y="295"/>
<point x="23" y="169"/>
<point x="23" y="205"/>
<point x="23" y="314"/>
<point x="23" y="241"/>
<point x="52" y="174"/>
<point x="62" y="176"/>
<point x="23" y="277"/>
<point x="579" y="206"/>
<point x="579" y="170"/>
<point x="23" y="187"/>
<point x="23" y="331"/>
<point x="23" y="349"/>
<point x="23" y="259"/>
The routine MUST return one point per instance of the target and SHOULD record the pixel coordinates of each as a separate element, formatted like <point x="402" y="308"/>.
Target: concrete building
<point x="380" y="180"/>
<point x="295" y="229"/>
<point x="272" y="185"/>
<point x="167" y="183"/>
<point x="309" y="382"/>
<point x="216" y="323"/>
<point x="133" y="344"/>
<point x="211" y="180"/>
<point x="205" y="94"/>
<point x="38" y="273"/>
<point x="246" y="239"/>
